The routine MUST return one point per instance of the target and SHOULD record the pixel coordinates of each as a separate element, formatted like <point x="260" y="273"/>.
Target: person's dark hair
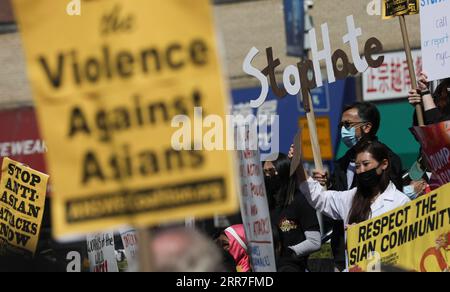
<point x="368" y="112"/>
<point x="361" y="205"/>
<point x="282" y="165"/>
<point x="442" y="97"/>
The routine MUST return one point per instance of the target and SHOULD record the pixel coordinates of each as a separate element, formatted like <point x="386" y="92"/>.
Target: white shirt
<point x="337" y="205"/>
<point x="350" y="174"/>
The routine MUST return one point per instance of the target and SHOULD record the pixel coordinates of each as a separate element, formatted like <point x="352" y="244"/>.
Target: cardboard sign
<point x="255" y="213"/>
<point x="102" y="253"/>
<point x="107" y="85"/>
<point x="435" y="30"/>
<point x="324" y="135"/>
<point x="393" y="8"/>
<point x="415" y="237"/>
<point x="435" y="142"/>
<point x="22" y="202"/>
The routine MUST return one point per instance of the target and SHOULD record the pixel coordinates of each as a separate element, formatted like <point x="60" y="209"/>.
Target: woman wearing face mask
<point x="374" y="194"/>
<point x="276" y="178"/>
<point x="292" y="214"/>
<point x="360" y="123"/>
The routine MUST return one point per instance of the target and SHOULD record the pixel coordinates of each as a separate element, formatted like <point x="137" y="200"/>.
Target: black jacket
<point x="338" y="180"/>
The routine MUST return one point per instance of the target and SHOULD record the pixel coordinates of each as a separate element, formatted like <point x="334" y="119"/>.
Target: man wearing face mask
<point x="360" y="123"/>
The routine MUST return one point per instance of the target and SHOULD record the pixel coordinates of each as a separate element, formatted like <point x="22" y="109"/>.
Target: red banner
<point x="20" y="139"/>
<point x="435" y="141"/>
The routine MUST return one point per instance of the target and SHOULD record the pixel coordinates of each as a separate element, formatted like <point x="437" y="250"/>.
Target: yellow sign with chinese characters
<point x="107" y="85"/>
<point x="22" y="203"/>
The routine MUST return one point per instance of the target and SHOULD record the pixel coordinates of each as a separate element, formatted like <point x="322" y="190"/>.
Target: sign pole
<point x="412" y="71"/>
<point x="145" y="257"/>
<point x="318" y="163"/>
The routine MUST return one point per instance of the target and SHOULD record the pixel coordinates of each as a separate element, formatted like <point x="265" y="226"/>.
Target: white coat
<point x="337" y="205"/>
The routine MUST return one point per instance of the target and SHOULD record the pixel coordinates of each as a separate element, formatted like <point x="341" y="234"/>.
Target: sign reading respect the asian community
<point x="102" y="253"/>
<point x="435" y="31"/>
<point x="107" y="85"/>
<point x="415" y="237"/>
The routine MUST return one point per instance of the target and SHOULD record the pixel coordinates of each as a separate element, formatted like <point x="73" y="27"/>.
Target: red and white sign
<point x="20" y="139"/>
<point x="391" y="80"/>
<point x="130" y="245"/>
<point x="101" y="253"/>
<point x="435" y="142"/>
<point x="255" y="213"/>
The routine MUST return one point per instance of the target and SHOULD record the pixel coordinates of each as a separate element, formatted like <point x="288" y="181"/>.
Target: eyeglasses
<point x="349" y="125"/>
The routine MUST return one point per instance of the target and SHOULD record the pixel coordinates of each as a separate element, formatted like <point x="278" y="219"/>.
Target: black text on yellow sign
<point x="107" y="85"/>
<point x="22" y="202"/>
<point x="415" y="237"/>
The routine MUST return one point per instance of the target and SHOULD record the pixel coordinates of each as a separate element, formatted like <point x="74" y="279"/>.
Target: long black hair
<point x="277" y="196"/>
<point x="442" y="97"/>
<point x="361" y="205"/>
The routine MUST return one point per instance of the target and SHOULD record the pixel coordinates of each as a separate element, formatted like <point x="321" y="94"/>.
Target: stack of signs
<point x="22" y="201"/>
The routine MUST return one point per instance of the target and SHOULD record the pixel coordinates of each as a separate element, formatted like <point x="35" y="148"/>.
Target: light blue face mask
<point x="410" y="192"/>
<point x="349" y="136"/>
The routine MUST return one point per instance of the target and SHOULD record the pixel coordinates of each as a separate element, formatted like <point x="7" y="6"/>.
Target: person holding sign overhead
<point x="437" y="105"/>
<point x="360" y="122"/>
<point x="295" y="218"/>
<point x="374" y="194"/>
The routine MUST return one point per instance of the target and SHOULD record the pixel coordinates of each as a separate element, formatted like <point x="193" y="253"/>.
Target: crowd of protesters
<point x="367" y="181"/>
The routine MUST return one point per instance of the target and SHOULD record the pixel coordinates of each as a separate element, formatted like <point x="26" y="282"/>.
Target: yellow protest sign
<point x="415" y="237"/>
<point x="393" y="8"/>
<point x="324" y="135"/>
<point x="22" y="202"/>
<point x="107" y="85"/>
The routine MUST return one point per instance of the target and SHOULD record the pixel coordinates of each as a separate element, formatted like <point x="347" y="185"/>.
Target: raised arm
<point x="334" y="204"/>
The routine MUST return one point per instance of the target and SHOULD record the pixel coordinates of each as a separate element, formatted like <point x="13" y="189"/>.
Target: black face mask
<point x="273" y="185"/>
<point x="368" y="180"/>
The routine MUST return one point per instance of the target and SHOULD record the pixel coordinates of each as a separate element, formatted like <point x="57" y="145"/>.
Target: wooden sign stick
<point x="412" y="71"/>
<point x="314" y="137"/>
<point x="145" y="257"/>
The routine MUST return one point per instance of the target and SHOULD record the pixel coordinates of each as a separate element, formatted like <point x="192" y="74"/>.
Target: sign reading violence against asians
<point x="415" y="237"/>
<point x="107" y="85"/>
<point x="22" y="202"/>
